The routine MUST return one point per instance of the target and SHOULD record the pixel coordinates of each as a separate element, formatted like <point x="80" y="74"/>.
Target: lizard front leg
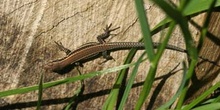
<point x="107" y="32"/>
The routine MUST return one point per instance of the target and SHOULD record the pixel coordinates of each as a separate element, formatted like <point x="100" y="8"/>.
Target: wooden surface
<point x="206" y="73"/>
<point x="28" y="30"/>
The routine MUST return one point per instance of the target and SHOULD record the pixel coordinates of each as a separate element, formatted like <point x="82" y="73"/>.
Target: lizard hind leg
<point x="106" y="55"/>
<point x="62" y="48"/>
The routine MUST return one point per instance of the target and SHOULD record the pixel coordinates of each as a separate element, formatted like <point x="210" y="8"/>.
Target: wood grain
<point x="206" y="73"/>
<point x="28" y="29"/>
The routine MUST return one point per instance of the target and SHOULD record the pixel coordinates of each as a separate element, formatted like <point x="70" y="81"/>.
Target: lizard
<point x="92" y="49"/>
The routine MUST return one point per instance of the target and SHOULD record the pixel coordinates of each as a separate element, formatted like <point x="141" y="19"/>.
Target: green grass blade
<point x="188" y="77"/>
<point x="173" y="99"/>
<point x="75" y="94"/>
<point x="217" y="99"/>
<point x="63" y="81"/>
<point x="178" y="17"/>
<point x="112" y="98"/>
<point x="196" y="6"/>
<point x="40" y="92"/>
<point x="151" y="75"/>
<point x="206" y="24"/>
<point x="154" y="62"/>
<point x="72" y="100"/>
<point x="148" y="43"/>
<point x="145" y="28"/>
<point x="190" y="9"/>
<point x="130" y="83"/>
<point x="202" y="97"/>
<point x="214" y="106"/>
<point x="146" y="88"/>
<point x="191" y="51"/>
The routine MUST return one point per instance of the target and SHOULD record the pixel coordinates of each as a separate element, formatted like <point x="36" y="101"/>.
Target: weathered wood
<point x="206" y="73"/>
<point x="28" y="30"/>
